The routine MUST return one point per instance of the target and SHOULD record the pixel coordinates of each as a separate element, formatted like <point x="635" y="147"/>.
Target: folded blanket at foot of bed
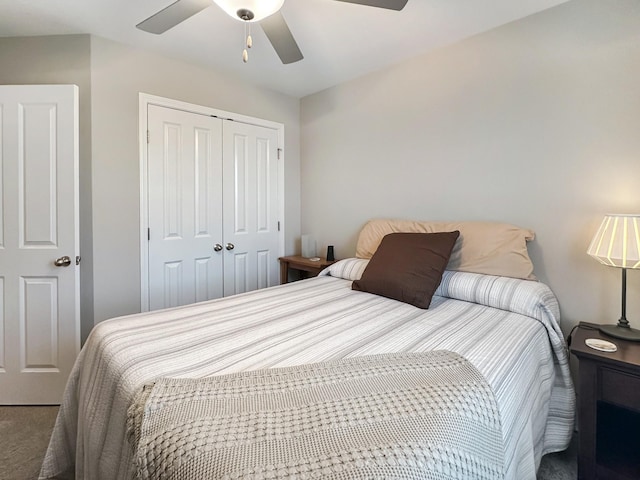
<point x="408" y="415"/>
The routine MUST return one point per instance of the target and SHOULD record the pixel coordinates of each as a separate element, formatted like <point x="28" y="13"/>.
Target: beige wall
<point x="118" y="74"/>
<point x="535" y="123"/>
<point x="61" y="60"/>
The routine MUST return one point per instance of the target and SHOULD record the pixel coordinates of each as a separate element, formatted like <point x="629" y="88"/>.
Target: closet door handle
<point x="230" y="246"/>
<point x="217" y="247"/>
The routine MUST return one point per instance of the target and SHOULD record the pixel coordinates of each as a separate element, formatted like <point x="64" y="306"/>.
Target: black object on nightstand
<point x="608" y="408"/>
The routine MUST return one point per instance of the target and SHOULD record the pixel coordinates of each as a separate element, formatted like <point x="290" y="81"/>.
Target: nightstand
<point x="306" y="267"/>
<point x="608" y="408"/>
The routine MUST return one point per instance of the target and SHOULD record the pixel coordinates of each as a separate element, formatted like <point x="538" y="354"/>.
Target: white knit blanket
<point x="425" y="415"/>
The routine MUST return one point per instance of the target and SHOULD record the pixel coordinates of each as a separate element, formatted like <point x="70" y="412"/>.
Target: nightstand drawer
<point x="620" y="388"/>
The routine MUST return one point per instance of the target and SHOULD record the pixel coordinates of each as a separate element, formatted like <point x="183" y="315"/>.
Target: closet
<point x="212" y="202"/>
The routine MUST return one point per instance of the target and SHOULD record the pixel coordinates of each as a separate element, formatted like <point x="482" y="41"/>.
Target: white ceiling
<point x="340" y="41"/>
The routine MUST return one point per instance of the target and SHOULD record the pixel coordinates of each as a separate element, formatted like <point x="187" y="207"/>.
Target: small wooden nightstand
<point x="306" y="267"/>
<point x="608" y="408"/>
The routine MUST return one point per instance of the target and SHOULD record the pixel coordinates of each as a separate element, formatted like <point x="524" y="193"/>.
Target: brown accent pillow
<point x="408" y="266"/>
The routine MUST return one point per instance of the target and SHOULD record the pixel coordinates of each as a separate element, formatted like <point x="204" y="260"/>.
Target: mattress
<point x="507" y="328"/>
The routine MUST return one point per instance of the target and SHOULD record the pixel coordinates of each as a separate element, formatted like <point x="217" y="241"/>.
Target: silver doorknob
<point x="230" y="246"/>
<point x="62" y="261"/>
<point x="217" y="247"/>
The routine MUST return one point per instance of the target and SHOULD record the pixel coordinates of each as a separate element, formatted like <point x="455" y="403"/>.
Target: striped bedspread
<point x="507" y="328"/>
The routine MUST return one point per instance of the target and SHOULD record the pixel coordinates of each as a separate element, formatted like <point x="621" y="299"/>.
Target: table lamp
<point x="617" y="244"/>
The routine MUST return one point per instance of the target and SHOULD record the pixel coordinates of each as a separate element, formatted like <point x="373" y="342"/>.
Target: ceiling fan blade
<point x="172" y="15"/>
<point x="388" y="4"/>
<point x="281" y="38"/>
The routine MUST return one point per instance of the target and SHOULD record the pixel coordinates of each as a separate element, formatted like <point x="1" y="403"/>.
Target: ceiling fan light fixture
<point x="259" y="8"/>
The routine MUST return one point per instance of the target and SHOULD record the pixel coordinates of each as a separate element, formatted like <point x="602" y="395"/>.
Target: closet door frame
<point x="144" y="101"/>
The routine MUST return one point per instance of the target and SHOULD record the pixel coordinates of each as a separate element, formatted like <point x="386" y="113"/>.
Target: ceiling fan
<point x="266" y="12"/>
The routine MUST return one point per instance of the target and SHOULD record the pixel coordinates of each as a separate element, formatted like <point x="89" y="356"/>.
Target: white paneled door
<point x="39" y="275"/>
<point x="185" y="207"/>
<point x="251" y="213"/>
<point x="213" y="206"/>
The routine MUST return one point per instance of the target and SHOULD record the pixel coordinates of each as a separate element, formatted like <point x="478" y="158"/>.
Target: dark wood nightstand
<point x="306" y="267"/>
<point x="608" y="408"/>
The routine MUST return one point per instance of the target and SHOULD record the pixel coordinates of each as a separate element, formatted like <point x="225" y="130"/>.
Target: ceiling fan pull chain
<point x="245" y="54"/>
<point x="249" y="39"/>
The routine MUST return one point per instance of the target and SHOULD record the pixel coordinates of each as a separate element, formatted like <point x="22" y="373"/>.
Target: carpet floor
<point x="25" y="432"/>
<point x="24" y="437"/>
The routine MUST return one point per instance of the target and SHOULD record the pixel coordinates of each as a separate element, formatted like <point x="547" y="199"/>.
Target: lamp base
<point x="623" y="333"/>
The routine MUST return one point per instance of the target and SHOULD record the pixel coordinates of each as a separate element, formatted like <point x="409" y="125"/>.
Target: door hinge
<point x="148" y="136"/>
<point x="279" y="152"/>
<point x="148" y="234"/>
<point x="278" y="225"/>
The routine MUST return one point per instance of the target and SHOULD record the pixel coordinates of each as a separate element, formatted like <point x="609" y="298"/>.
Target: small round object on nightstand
<point x="602" y="345"/>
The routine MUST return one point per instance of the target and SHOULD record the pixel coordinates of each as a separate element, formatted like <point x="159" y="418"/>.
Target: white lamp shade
<point x="260" y="8"/>
<point x="617" y="242"/>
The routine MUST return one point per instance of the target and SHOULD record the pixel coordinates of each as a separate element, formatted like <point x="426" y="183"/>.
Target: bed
<point x="506" y="327"/>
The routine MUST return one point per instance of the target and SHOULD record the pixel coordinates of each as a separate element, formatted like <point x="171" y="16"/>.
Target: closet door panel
<point x="185" y="207"/>
<point x="250" y="207"/>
